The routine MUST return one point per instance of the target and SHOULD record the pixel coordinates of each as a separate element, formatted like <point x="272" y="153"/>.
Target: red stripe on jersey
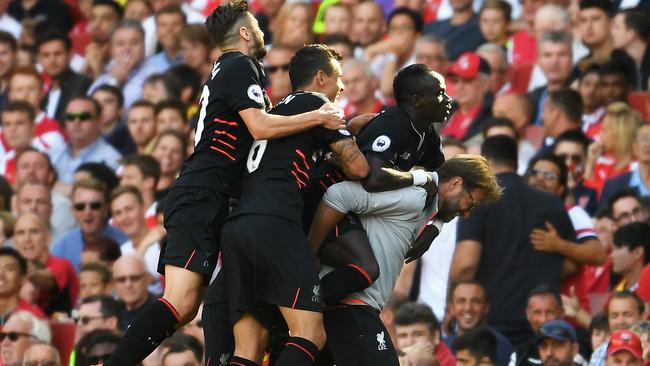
<point x="295" y="300"/>
<point x="298" y="180"/>
<point x="209" y="361"/>
<point x="188" y="261"/>
<point x="339" y="175"/>
<point x="303" y="173"/>
<point x="225" y="143"/>
<point x="336" y="231"/>
<point x="223" y="152"/>
<point x="226" y="133"/>
<point x="332" y="179"/>
<point x="231" y="123"/>
<point x="322" y="184"/>
<point x="313" y="359"/>
<point x="304" y="159"/>
<point x="171" y="308"/>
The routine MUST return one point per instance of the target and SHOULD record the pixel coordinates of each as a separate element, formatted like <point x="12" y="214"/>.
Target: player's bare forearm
<point x="264" y="126"/>
<point x="350" y="159"/>
<point x="325" y="220"/>
<point x="381" y="178"/>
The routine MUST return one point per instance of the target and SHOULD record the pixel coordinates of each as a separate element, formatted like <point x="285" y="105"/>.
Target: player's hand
<point x="545" y="240"/>
<point x="432" y="191"/>
<point x="357" y="123"/>
<point x="331" y="117"/>
<point x="422" y="243"/>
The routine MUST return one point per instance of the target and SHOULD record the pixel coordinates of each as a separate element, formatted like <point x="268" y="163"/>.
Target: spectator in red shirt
<point x="419" y="337"/>
<point x="592" y="101"/>
<point x="53" y="279"/>
<point x="360" y="86"/>
<point x="13" y="270"/>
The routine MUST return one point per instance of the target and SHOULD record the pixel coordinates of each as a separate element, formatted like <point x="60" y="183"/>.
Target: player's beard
<point x="450" y="208"/>
<point x="259" y="51"/>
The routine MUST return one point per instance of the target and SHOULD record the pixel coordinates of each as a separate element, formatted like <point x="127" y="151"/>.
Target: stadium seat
<point x="80" y="42"/>
<point x="63" y="335"/>
<point x="519" y="76"/>
<point x="639" y="101"/>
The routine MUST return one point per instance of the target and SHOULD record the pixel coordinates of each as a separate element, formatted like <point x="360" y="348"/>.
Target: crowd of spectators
<point x="98" y="102"/>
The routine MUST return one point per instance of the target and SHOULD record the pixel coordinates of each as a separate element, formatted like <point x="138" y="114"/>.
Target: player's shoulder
<point x="234" y="63"/>
<point x="299" y="102"/>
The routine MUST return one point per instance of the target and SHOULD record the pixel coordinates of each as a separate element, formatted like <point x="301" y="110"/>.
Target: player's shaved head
<point x="224" y="22"/>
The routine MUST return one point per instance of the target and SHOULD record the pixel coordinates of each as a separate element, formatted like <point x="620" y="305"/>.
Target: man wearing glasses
<point x="131" y="280"/>
<point x="85" y="143"/>
<point x="18" y="334"/>
<point x="42" y="354"/>
<point x="98" y="312"/>
<point x="626" y="207"/>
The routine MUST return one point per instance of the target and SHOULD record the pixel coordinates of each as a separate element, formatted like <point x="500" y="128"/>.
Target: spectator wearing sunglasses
<point x="98" y="312"/>
<point x="277" y="72"/>
<point x="86" y="144"/>
<point x="20" y="332"/>
<point x="42" y="354"/>
<point x="13" y="270"/>
<point x="131" y="280"/>
<point x="90" y="210"/>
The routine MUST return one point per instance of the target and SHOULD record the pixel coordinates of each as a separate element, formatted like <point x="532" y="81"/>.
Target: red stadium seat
<point x="535" y="135"/>
<point x="63" y="338"/>
<point x="639" y="101"/>
<point x="519" y="76"/>
<point x="80" y="42"/>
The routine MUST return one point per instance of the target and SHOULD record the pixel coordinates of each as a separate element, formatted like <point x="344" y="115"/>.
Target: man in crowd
<point x="98" y="312"/>
<point x="131" y="280"/>
<point x="476" y="347"/>
<point x="431" y="51"/>
<point x="276" y="65"/>
<point x="142" y="172"/>
<point x="562" y="112"/>
<point x="594" y="107"/>
<point x="170" y="21"/>
<point x="594" y="25"/>
<point x="13" y="271"/>
<point x="35" y="197"/>
<point x="368" y="24"/>
<point x="360" y="86"/>
<point x="626" y="207"/>
<point x="141" y="122"/>
<point x="20" y="332"/>
<point x="557" y="343"/>
<point x="105" y="15"/>
<point x="41" y="353"/>
<point x="17" y="135"/>
<point x="114" y="128"/>
<point x="180" y="354"/>
<point x="94" y="279"/>
<point x="461" y="32"/>
<point x="631" y="253"/>
<point x="572" y="146"/>
<point x="630" y="32"/>
<point x="8" y="47"/>
<point x="624" y="348"/>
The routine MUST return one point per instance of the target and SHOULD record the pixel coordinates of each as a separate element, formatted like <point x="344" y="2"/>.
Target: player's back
<point x="222" y="140"/>
<point x="279" y="170"/>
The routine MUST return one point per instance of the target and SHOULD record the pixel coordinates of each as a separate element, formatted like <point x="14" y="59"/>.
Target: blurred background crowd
<point x="98" y="100"/>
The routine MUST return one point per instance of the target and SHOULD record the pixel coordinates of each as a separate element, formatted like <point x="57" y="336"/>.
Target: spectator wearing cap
<point x="461" y="32"/>
<point x="624" y="348"/>
<point x="20" y="332"/>
<point x="105" y="15"/>
<point x="53" y="53"/>
<point x="630" y="32"/>
<point x="594" y="24"/>
<point x="13" y="270"/>
<point x="624" y="309"/>
<point x="557" y="343"/>
<point x="469" y="75"/>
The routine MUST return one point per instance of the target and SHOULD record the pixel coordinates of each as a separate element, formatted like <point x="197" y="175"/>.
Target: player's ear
<point x="320" y="77"/>
<point x="244" y="33"/>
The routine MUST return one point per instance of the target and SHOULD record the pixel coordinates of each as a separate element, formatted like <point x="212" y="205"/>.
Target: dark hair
<point x="108" y="306"/>
<point x="308" y="61"/>
<point x="11" y="252"/>
<point x="627" y="294"/>
<point x="501" y="150"/>
<point x="637" y="20"/>
<point x="146" y="164"/>
<point x="117" y="92"/>
<point x="143" y="103"/>
<point x="575" y="136"/>
<point x="90" y="340"/>
<point x="555" y="160"/>
<point x="172" y="9"/>
<point x="412" y="313"/>
<point x="503" y="6"/>
<point x="480" y="342"/>
<point x="8" y="38"/>
<point x="21" y="106"/>
<point x="499" y="122"/>
<point x="604" y="5"/>
<point x="623" y="193"/>
<point x="181" y="342"/>
<point x="412" y="80"/>
<point x="170" y="82"/>
<point x="632" y="236"/>
<point x="545" y="289"/>
<point x="111" y="3"/>
<point x="467" y="282"/>
<point x="187" y="77"/>
<point x="174" y="104"/>
<point x="107" y="248"/>
<point x="416" y="18"/>
<point x="599" y="322"/>
<point x="196" y="33"/>
<point x="569" y="101"/>
<point x="620" y="64"/>
<point x="450" y="141"/>
<point x="178" y="135"/>
<point x="102" y="173"/>
<point x="603" y="212"/>
<point x="52" y="34"/>
<point x="223" y="20"/>
<point x="127" y="189"/>
<point x="95" y="103"/>
<point x="338" y="38"/>
<point x="100" y="268"/>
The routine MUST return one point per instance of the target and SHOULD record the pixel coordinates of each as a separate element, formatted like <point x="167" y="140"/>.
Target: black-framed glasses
<point x="80" y="206"/>
<point x="546" y="175"/>
<point x="627" y="216"/>
<point x="472" y="198"/>
<point x="85" y="320"/>
<point x="575" y="158"/>
<point x="82" y="116"/>
<point x="13" y="336"/>
<point x="275" y="68"/>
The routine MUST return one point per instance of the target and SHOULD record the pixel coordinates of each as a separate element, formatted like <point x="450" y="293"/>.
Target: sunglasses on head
<point x="95" y="205"/>
<point x="82" y="116"/>
<point x="274" y="68"/>
<point x="13" y="336"/>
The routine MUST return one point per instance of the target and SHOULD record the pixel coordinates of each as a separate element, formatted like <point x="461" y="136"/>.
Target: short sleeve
<point x="347" y="197"/>
<point x="241" y="85"/>
<point x="582" y="224"/>
<point x="384" y="136"/>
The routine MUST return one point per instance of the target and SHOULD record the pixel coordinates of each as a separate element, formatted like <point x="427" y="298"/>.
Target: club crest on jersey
<point x="381" y="143"/>
<point x="255" y="93"/>
<point x="382" y="341"/>
<point x="316" y="293"/>
<point x="223" y="360"/>
<point x="405" y="156"/>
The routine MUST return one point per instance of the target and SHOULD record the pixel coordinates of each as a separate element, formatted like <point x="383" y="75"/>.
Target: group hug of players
<point x="293" y="217"/>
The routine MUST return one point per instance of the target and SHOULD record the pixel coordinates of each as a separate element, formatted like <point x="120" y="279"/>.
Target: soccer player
<point x="393" y="142"/>
<point x="392" y="220"/>
<point x="232" y="114"/>
<point x="266" y="255"/>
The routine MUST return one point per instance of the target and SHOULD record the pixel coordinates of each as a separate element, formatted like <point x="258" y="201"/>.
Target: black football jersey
<point x="279" y="170"/>
<point x="222" y="140"/>
<point x="392" y="136"/>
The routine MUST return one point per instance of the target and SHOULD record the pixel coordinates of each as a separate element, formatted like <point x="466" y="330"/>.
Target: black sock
<point x="238" y="361"/>
<point x="298" y="352"/>
<point x="343" y="281"/>
<point x="155" y="323"/>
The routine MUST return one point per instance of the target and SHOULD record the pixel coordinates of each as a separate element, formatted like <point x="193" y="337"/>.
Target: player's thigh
<point x="357" y="337"/>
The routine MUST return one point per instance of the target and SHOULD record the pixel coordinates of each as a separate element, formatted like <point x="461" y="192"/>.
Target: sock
<point x="155" y="323"/>
<point x="343" y="281"/>
<point x="238" y="361"/>
<point x="298" y="352"/>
